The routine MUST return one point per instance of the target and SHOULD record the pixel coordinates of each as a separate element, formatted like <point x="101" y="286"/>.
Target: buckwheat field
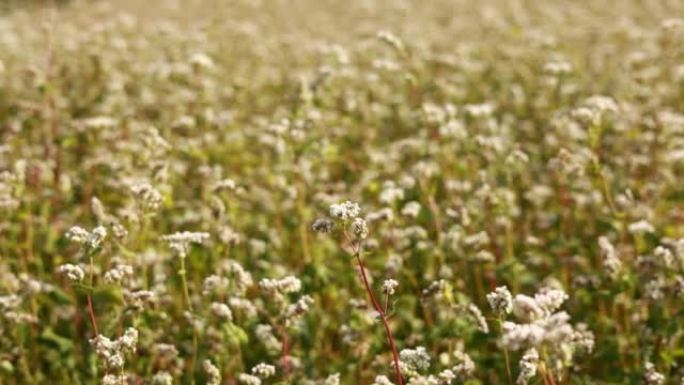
<point x="323" y="192"/>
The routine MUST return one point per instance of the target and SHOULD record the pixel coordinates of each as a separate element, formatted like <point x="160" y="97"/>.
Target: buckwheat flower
<point x="654" y="289"/>
<point x="98" y="209"/>
<point x="99" y="122"/>
<point x="117" y="274"/>
<point x="411" y="209"/>
<point x="664" y="256"/>
<point x="225" y="185"/>
<point x="416" y="359"/>
<point x="119" y="231"/>
<point x="148" y="197"/>
<point x="258" y="246"/>
<point x="162" y="378"/>
<point x="300" y="307"/>
<point x="611" y="262"/>
<point x="8" y="302"/>
<point x="264" y="371"/>
<point x="333" y="379"/>
<point x="286" y="285"/>
<point x="201" y="60"/>
<point x="221" y="310"/>
<point x="382" y="380"/>
<point x="323" y="225"/>
<point x="446" y="376"/>
<point x="483" y="256"/>
<point x="214" y="283"/>
<point x="641" y="227"/>
<point x="248" y="379"/>
<point x="78" y="235"/>
<point x="81" y="236"/>
<point x="528" y="366"/>
<point x="475" y="312"/>
<point x="557" y="67"/>
<point x="479" y="110"/>
<point x="391" y="193"/>
<point x="140" y="299"/>
<point x="180" y="242"/>
<point x="651" y="377"/>
<point x="243" y="306"/>
<point x="264" y="333"/>
<point x="477" y="240"/>
<point x="345" y="211"/>
<point x="550" y="300"/>
<point x="289" y="284"/>
<point x="583" y="338"/>
<point x="212" y="372"/>
<point x="516" y="336"/>
<point x="359" y="228"/>
<point x="73" y="272"/>
<point x="601" y="104"/>
<point x="464" y="367"/>
<point x="389" y="286"/>
<point x="501" y="300"/>
<point x="111" y="379"/>
<point x="96" y="237"/>
<point x="129" y="340"/>
<point x="526" y="308"/>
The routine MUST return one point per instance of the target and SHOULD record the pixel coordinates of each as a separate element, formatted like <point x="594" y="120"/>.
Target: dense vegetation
<point x="357" y="192"/>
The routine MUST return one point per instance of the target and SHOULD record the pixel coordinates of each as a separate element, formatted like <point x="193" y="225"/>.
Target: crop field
<point x="324" y="192"/>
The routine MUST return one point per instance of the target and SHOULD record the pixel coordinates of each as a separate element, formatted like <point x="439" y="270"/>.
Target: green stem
<point x="188" y="304"/>
<point x="506" y="357"/>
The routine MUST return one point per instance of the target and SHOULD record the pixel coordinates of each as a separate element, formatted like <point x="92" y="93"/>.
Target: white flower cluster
<point x="212" y="372"/>
<point x="501" y="300"/>
<point x="214" y="284"/>
<point x="611" y="261"/>
<point x="345" y="211"/>
<point x="180" y="242"/>
<point x="248" y="379"/>
<point x="298" y="308"/>
<point x="651" y="376"/>
<point x="641" y="227"/>
<point x="543" y="326"/>
<point x="528" y="366"/>
<point x="414" y="360"/>
<point x="333" y="379"/>
<point x="389" y="286"/>
<point x="118" y="273"/>
<point x="90" y="240"/>
<point x="147" y="196"/>
<point x="479" y="319"/>
<point x="162" y="378"/>
<point x="140" y="299"/>
<point x="74" y="272"/>
<point x="462" y="368"/>
<point x="382" y="380"/>
<point x="264" y="371"/>
<point x="594" y="108"/>
<point x="222" y="311"/>
<point x="264" y="333"/>
<point x="112" y="352"/>
<point x="286" y="285"/>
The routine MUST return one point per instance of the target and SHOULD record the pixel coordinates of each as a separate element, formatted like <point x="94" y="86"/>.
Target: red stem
<point x="286" y="353"/>
<point x="381" y="312"/>
<point x="91" y="313"/>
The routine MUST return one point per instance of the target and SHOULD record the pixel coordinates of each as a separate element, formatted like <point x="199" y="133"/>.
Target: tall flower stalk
<point x="355" y="230"/>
